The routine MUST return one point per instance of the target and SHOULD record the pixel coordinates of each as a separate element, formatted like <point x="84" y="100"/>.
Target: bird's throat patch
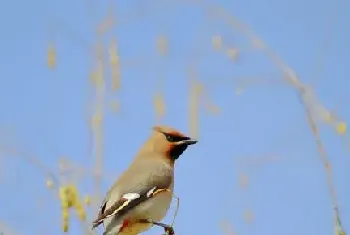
<point x="176" y="151"/>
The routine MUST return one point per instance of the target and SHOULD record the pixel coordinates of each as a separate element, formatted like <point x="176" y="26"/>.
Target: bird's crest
<point x="168" y="130"/>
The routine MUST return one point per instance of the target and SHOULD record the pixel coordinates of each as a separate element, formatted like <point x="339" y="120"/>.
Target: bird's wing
<point x="100" y="213"/>
<point x="125" y="203"/>
<point x="140" y="187"/>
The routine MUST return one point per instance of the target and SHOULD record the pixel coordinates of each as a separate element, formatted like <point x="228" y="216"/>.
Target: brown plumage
<point x="144" y="190"/>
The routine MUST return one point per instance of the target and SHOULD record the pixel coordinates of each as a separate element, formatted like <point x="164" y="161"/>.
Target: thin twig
<point x="290" y="77"/>
<point x="34" y="161"/>
<point x="176" y="210"/>
<point x="327" y="166"/>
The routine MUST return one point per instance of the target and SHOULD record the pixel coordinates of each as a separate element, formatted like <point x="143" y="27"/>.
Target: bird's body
<point x="144" y="191"/>
<point x="154" y="208"/>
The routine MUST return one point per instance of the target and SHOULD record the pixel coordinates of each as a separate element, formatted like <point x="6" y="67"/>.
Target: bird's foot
<point x="169" y="230"/>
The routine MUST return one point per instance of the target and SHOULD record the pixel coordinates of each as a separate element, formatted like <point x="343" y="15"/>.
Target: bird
<point x="142" y="195"/>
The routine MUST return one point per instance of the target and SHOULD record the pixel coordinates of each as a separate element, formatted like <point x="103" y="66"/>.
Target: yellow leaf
<point x="65" y="226"/>
<point x="80" y="210"/>
<point x="113" y="53"/>
<point x="65" y="219"/>
<point x="341" y="127"/>
<point x="73" y="194"/>
<point x="65" y="214"/>
<point x="87" y="200"/>
<point x="96" y="120"/>
<point x="62" y="193"/>
<point x="49" y="184"/>
<point x="51" y="57"/>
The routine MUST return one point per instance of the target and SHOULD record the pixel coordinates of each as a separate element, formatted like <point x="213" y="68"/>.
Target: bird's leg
<point x="169" y="230"/>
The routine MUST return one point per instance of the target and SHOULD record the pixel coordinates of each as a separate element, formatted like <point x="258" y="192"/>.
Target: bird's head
<point x="169" y="142"/>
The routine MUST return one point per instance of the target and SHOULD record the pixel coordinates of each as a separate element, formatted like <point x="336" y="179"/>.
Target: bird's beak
<point x="187" y="142"/>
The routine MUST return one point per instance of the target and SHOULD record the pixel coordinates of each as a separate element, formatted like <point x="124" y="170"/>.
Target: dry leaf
<point x="217" y="42"/>
<point x="248" y="216"/>
<point x="232" y="53"/>
<point x="257" y="43"/>
<point x="49" y="183"/>
<point x="162" y="45"/>
<point x="227" y="228"/>
<point x="195" y="93"/>
<point x="51" y="57"/>
<point x="114" y="64"/>
<point x="159" y="105"/>
<point x="213" y="109"/>
<point x="243" y="181"/>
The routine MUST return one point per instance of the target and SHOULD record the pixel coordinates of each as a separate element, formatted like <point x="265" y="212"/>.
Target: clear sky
<point x="46" y="112"/>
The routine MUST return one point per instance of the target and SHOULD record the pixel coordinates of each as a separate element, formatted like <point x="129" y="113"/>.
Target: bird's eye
<point x="170" y="138"/>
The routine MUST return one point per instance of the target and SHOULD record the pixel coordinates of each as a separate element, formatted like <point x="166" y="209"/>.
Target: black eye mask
<point x="175" y="138"/>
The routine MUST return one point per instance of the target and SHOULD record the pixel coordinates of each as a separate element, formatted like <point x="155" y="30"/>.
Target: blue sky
<point x="46" y="113"/>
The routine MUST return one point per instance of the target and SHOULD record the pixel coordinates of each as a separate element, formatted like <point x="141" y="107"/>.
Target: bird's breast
<point x="155" y="208"/>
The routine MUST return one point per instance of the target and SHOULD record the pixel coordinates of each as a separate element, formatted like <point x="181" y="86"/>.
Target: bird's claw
<point x="169" y="231"/>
